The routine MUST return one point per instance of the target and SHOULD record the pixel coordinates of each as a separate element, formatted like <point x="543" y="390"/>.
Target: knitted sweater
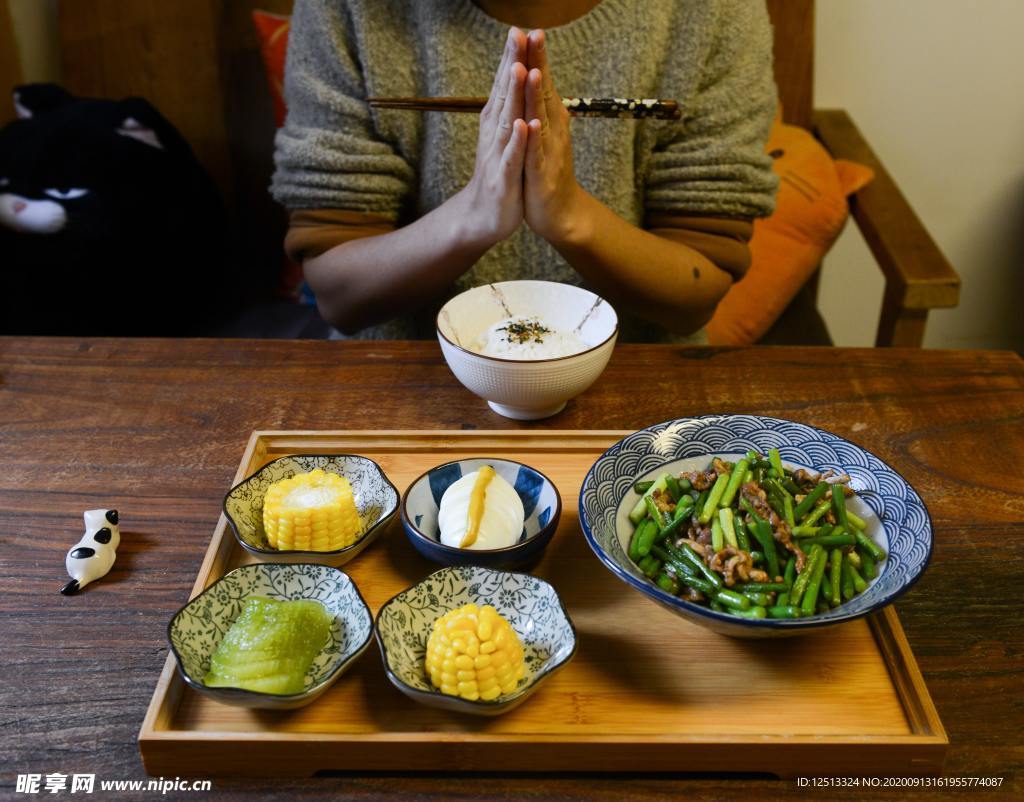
<point x="714" y="56"/>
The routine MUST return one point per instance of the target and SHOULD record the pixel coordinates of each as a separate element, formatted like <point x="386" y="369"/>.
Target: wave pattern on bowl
<point x="902" y="513"/>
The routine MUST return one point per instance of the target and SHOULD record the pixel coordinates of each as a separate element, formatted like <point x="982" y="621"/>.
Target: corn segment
<point x="474" y="653"/>
<point x="313" y="511"/>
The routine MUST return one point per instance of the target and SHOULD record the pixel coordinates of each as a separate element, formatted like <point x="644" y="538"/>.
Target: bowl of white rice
<point x="527" y="347"/>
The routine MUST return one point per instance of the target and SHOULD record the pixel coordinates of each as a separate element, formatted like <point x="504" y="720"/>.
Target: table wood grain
<point x="156" y="428"/>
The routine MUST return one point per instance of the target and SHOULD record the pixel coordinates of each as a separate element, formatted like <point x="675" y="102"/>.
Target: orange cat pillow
<point x="810" y="211"/>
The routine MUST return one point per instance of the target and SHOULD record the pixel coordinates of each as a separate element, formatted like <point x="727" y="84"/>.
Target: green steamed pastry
<point x="270" y="646"/>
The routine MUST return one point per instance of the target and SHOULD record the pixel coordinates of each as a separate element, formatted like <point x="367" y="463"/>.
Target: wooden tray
<point x="646" y="691"/>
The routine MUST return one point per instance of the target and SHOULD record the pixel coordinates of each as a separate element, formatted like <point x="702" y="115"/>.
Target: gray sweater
<point x="714" y="56"/>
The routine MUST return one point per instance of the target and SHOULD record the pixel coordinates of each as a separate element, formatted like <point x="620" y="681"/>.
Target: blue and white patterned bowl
<point x="376" y="500"/>
<point x="529" y="604"/>
<point x="197" y="628"/>
<point x="897" y="518"/>
<point x="541" y="503"/>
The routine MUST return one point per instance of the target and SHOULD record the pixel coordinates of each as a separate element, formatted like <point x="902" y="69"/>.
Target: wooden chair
<point x="10" y="68"/>
<point x="197" y="60"/>
<point x="918" y="277"/>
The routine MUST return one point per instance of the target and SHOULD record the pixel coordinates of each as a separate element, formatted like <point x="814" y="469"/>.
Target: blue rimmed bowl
<point x="541" y="503"/>
<point x="376" y="500"/>
<point x="897" y="519"/>
<point x="197" y="629"/>
<point x="530" y="605"/>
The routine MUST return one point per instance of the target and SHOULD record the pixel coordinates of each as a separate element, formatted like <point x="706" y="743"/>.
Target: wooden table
<point x="156" y="427"/>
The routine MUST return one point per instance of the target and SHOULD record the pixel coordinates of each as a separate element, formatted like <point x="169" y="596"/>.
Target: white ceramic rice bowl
<point x="527" y="389"/>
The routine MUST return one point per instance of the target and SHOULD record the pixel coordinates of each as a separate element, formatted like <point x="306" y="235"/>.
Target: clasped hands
<point x="524" y="168"/>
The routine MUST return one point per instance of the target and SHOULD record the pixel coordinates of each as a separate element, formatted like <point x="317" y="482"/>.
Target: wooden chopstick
<point x="631" y="108"/>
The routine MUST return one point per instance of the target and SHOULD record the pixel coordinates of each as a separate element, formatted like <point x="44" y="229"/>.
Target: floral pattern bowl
<point x="896" y="517"/>
<point x="197" y="628"/>
<point x="529" y="604"/>
<point x="376" y="500"/>
<point x="541" y="503"/>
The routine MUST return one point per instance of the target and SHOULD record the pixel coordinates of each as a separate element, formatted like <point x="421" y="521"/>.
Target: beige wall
<point x="937" y="87"/>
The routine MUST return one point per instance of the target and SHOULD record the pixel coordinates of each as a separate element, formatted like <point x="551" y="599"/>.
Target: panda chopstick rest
<point x="93" y="555"/>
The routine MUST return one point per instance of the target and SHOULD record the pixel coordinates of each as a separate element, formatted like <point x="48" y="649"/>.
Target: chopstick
<point x="630" y="108"/>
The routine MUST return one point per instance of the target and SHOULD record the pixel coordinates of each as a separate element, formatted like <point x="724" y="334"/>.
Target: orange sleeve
<point x="312" y="232"/>
<point x="723" y="240"/>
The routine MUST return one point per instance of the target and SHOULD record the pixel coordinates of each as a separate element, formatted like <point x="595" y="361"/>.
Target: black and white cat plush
<point x="108" y="223"/>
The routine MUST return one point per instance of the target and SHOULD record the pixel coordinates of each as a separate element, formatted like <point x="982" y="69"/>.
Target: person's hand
<point x="494" y="194"/>
<point x="551" y="193"/>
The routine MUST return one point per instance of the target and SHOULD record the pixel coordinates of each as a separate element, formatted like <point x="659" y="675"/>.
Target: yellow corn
<point x="313" y="511"/>
<point x="474" y="653"/>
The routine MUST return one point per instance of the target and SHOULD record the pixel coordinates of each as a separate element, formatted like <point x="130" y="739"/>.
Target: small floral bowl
<point x="198" y="627"/>
<point x="376" y="500"/>
<point x="541" y="503"/>
<point x="529" y="604"/>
